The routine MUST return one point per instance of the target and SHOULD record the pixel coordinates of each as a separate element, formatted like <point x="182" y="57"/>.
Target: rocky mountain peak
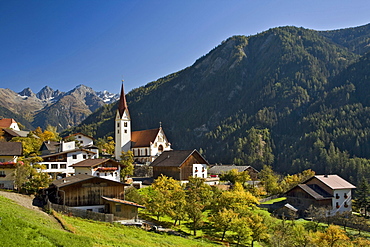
<point x="27" y="92"/>
<point x="45" y="93"/>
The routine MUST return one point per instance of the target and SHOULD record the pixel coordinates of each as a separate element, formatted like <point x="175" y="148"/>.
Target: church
<point x="146" y="145"/>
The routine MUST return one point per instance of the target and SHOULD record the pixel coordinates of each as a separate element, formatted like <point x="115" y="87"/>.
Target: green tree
<point x="127" y="168"/>
<point x="362" y="200"/>
<point x="270" y="180"/>
<point x="223" y="220"/>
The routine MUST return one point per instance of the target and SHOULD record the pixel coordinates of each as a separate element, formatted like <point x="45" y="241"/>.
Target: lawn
<point x="24" y="227"/>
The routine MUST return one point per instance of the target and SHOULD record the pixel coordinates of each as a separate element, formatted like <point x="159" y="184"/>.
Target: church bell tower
<point x="122" y="127"/>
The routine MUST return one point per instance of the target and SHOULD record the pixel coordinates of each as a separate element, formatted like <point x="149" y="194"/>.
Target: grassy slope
<point x="23" y="227"/>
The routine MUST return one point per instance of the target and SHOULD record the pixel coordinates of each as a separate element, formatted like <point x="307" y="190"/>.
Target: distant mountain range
<point x="52" y="107"/>
<point x="291" y="97"/>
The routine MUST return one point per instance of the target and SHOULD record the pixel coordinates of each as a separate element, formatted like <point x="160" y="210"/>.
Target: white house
<point x="9" y="152"/>
<point x="103" y="168"/>
<point x="9" y="123"/>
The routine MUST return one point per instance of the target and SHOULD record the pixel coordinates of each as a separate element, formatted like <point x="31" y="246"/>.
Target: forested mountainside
<point x="290" y="97"/>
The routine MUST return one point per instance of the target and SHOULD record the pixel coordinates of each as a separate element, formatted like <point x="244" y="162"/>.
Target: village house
<point x="9" y="153"/>
<point x="58" y="158"/>
<point x="180" y="164"/>
<point x="104" y="168"/>
<point x="84" y="141"/>
<point x="9" y="123"/>
<point x="328" y="191"/>
<point x="94" y="194"/>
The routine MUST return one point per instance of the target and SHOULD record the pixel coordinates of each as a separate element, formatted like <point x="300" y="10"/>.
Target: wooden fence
<point x="86" y="214"/>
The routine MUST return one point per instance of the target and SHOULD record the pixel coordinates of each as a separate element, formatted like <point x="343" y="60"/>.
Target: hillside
<point x="26" y="227"/>
<point x="272" y="98"/>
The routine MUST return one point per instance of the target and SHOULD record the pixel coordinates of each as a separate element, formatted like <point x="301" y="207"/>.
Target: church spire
<point x="122" y="105"/>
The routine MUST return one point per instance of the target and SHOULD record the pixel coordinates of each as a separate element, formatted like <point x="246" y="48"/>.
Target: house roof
<point x="219" y="169"/>
<point x="314" y="191"/>
<point x="177" y="158"/>
<point x="76" y="134"/>
<point x="143" y="138"/>
<point x="6" y="122"/>
<point x="50" y="145"/>
<point x="79" y="178"/>
<point x="94" y="162"/>
<point x="11" y="148"/>
<point x="122" y="202"/>
<point x="334" y="182"/>
<point x="65" y="152"/>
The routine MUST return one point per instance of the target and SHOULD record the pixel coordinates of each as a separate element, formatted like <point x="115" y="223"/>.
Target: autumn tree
<point x="333" y="236"/>
<point x="106" y="145"/>
<point x="198" y="197"/>
<point x="270" y="180"/>
<point x="127" y="158"/>
<point x="223" y="220"/>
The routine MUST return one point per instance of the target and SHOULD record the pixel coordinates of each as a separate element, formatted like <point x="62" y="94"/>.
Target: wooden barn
<point x="180" y="164"/>
<point x="83" y="190"/>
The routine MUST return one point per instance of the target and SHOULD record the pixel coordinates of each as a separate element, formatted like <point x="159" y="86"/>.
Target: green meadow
<point x="25" y="227"/>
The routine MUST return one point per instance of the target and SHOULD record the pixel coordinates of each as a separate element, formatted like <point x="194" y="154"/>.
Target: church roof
<point x="143" y="138"/>
<point x="177" y="158"/>
<point x="122" y="104"/>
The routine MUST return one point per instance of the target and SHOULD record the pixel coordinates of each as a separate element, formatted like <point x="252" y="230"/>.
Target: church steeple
<point x="122" y="105"/>
<point x="122" y="127"/>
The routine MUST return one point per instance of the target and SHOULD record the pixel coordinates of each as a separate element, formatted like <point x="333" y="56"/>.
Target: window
<point x="2" y="174"/>
<point x="118" y="207"/>
<point x="2" y="160"/>
<point x="74" y="156"/>
<point x="47" y="166"/>
<point x="160" y="148"/>
<point x="54" y="166"/>
<point x="81" y="142"/>
<point x="125" y="131"/>
<point x="2" y="185"/>
<point x="84" y="156"/>
<point x="125" y="124"/>
<point x="117" y="125"/>
<point x="337" y="196"/>
<point x="337" y="205"/>
<point x="345" y="195"/>
<point x="63" y="166"/>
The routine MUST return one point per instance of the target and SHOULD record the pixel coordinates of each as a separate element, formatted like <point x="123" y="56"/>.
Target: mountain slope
<point x="271" y="98"/>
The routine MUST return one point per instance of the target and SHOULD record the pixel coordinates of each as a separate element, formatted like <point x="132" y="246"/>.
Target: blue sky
<point x="64" y="43"/>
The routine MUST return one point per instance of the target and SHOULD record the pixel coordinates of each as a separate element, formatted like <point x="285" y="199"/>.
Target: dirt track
<point x="23" y="200"/>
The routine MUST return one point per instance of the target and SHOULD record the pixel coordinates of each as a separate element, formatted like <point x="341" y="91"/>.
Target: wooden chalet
<point x="328" y="191"/>
<point x="180" y="164"/>
<point x="93" y="193"/>
<point x="83" y="190"/>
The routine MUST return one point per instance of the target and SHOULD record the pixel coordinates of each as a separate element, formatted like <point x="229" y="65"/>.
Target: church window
<point x="146" y="152"/>
<point x="125" y="124"/>
<point x="125" y="131"/>
<point x="160" y="148"/>
<point x="118" y="125"/>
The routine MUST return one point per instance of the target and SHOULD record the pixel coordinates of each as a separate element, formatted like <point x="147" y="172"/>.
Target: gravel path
<point x="23" y="200"/>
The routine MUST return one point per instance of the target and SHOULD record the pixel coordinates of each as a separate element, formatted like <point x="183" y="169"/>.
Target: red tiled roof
<point x="94" y="162"/>
<point x="6" y="122"/>
<point x="122" y="201"/>
<point x="143" y="138"/>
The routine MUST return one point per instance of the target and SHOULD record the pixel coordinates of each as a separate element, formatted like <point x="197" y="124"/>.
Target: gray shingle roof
<point x="11" y="148"/>
<point x="219" y="169"/>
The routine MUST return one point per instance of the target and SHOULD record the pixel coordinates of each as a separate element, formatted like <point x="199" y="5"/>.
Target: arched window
<point x="160" y="148"/>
